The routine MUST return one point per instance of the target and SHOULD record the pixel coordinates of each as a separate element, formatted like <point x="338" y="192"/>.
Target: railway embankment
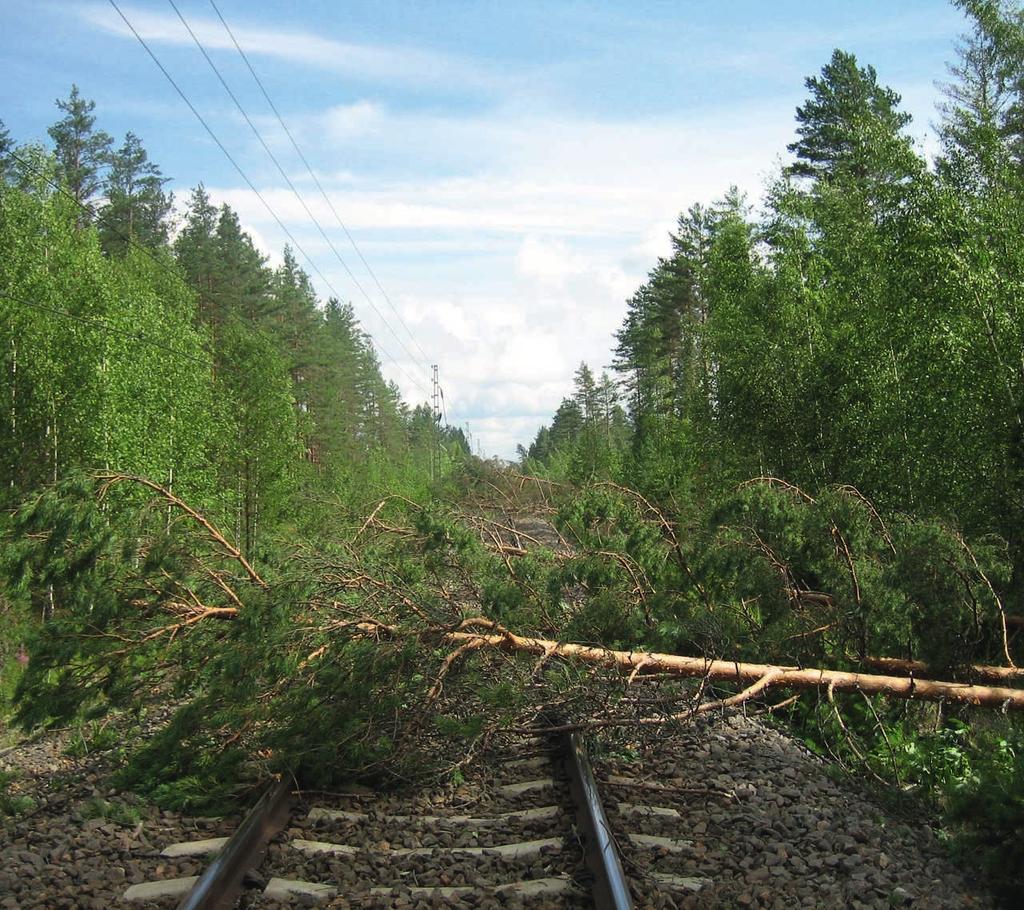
<point x="726" y="811"/>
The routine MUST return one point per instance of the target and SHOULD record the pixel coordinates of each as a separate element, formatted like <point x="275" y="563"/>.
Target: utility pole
<point x="435" y="441"/>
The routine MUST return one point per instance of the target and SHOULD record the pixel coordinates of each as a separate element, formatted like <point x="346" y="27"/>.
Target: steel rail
<point x="611" y="890"/>
<point x="221" y="882"/>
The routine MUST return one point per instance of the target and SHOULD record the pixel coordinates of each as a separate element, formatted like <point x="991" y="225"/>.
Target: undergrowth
<point x="326" y="659"/>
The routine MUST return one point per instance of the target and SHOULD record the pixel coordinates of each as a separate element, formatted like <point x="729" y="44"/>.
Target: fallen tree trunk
<point x="914" y="667"/>
<point x="738" y="672"/>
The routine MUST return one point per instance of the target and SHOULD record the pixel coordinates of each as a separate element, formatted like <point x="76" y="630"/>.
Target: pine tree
<point x="137" y="208"/>
<point x="197" y="230"/>
<point x="6" y="147"/>
<point x="227" y="271"/>
<point x="241" y="278"/>
<point x="335" y="376"/>
<point x="998" y="40"/>
<point x="196" y="252"/>
<point x="607" y="398"/>
<point x="294" y="319"/>
<point x="851" y="128"/>
<point x="81" y="152"/>
<point x="566" y="424"/>
<point x="979" y="93"/>
<point x="585" y="394"/>
<point x="660" y="345"/>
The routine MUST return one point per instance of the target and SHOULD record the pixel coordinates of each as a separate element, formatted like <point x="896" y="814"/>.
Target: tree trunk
<point x="737" y="672"/>
<point x="915" y="667"/>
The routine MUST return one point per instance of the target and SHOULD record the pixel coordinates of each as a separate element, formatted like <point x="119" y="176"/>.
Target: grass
<point x="119" y="813"/>
<point x="92" y="737"/>
<point x="12" y="804"/>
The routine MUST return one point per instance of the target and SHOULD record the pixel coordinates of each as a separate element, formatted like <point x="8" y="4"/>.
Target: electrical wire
<point x="288" y="181"/>
<point x="127" y="238"/>
<point x="245" y="178"/>
<point x="105" y="325"/>
<point x="316" y="181"/>
<point x="131" y="241"/>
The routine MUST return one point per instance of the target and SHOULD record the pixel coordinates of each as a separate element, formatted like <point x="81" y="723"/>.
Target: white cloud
<point x="492" y="433"/>
<point x="352" y="121"/>
<point x="509" y="237"/>
<point x="273" y="253"/>
<point x="550" y="262"/>
<point x="510" y="193"/>
<point x="455" y="321"/>
<point x="381" y="63"/>
<point x="516" y="268"/>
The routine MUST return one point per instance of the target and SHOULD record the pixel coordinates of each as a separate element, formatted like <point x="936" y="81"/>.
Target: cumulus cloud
<point x="515" y="270"/>
<point x="507" y="234"/>
<point x="549" y="262"/>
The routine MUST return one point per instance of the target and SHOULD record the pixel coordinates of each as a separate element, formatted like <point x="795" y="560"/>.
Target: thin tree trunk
<point x="738" y="672"/>
<point x="914" y="667"/>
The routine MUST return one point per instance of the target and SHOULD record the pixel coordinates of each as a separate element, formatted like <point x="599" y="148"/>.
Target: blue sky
<point x="509" y="170"/>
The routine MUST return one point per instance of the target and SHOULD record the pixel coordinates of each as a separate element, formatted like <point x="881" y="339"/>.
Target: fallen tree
<point x="763" y="676"/>
<point x="915" y="667"/>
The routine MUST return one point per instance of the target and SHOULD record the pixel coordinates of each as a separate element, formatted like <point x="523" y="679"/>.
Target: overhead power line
<point x="316" y="181"/>
<point x="248" y="182"/>
<point x="171" y="270"/>
<point x="288" y="181"/>
<point x="127" y="238"/>
<point x="104" y="324"/>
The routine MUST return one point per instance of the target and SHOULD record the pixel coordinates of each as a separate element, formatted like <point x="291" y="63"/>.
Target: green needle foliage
<point x="324" y="661"/>
<point x="810" y="452"/>
<point x="193" y="364"/>
<point x="855" y="346"/>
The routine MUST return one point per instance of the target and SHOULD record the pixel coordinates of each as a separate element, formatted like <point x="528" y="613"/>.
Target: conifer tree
<point x="196" y="253"/>
<point x="6" y="147"/>
<point x="850" y="127"/>
<point x="335" y="376"/>
<point x="978" y="94"/>
<point x="241" y="280"/>
<point x="227" y="271"/>
<point x="585" y="394"/>
<point x="293" y="319"/>
<point x="566" y="424"/>
<point x="136" y="208"/>
<point x="80" y="150"/>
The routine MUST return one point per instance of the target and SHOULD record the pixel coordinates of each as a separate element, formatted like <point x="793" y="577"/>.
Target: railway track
<point x="526" y="829"/>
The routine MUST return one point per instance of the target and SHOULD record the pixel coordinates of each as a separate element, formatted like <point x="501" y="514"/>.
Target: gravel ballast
<point x="769" y="828"/>
<point x="760" y="823"/>
<point x="83" y="844"/>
